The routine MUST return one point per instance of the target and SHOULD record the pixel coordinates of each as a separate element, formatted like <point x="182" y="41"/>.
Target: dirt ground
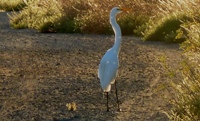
<point x="40" y="73"/>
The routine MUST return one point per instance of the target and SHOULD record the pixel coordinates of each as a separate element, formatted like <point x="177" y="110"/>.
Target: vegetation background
<point x="171" y="21"/>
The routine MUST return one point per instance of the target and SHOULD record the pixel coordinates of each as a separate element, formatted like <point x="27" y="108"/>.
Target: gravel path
<point x="40" y="73"/>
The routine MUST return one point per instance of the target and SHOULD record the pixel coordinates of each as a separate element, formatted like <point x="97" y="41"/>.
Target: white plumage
<point x="109" y="64"/>
<point x="108" y="69"/>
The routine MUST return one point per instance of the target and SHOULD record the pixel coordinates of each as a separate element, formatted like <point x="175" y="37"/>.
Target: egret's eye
<point x="118" y="9"/>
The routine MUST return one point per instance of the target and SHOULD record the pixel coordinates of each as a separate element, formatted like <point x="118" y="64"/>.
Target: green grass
<point x="12" y="5"/>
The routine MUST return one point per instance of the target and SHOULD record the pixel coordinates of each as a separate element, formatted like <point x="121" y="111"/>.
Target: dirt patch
<point x="41" y="73"/>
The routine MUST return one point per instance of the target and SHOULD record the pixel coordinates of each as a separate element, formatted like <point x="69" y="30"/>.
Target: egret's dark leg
<point x="117" y="96"/>
<point x="107" y="103"/>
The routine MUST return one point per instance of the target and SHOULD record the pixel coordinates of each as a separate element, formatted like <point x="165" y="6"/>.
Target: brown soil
<point x="41" y="73"/>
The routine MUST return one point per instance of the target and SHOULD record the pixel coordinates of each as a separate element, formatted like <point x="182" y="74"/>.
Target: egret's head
<point x="117" y="10"/>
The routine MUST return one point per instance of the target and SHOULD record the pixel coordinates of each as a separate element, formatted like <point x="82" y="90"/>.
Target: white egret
<point x="109" y="63"/>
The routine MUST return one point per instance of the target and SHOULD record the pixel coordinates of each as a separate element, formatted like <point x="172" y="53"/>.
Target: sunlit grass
<point x="80" y="16"/>
<point x="34" y="16"/>
<point x="170" y="15"/>
<point x="71" y="106"/>
<point x="152" y="20"/>
<point x="165" y="29"/>
<point x="186" y="92"/>
<point x="10" y="5"/>
<point x="186" y="101"/>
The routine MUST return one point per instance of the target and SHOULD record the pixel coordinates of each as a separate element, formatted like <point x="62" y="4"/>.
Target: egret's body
<point x="109" y="64"/>
<point x="108" y="69"/>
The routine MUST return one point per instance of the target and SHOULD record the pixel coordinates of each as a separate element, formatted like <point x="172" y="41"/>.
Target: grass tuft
<point x="71" y="106"/>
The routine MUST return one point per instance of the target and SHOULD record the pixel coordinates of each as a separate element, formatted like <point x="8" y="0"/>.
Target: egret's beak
<point x="125" y="9"/>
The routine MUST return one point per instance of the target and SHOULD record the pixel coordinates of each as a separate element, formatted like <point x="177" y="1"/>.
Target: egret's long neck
<point x="117" y="32"/>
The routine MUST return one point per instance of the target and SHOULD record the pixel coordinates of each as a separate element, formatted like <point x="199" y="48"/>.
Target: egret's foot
<point x="107" y="110"/>
<point x="119" y="109"/>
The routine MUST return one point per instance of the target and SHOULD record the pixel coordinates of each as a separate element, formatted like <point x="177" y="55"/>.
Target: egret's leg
<point x="117" y="96"/>
<point x="107" y="103"/>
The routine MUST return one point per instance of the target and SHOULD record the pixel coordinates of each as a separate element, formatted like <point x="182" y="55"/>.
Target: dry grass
<point x="187" y="87"/>
<point x="10" y="5"/>
<point x="96" y="19"/>
<point x="170" y="15"/>
<point x="167" y="7"/>
<point x="81" y="16"/>
<point x="37" y="15"/>
<point x="147" y="18"/>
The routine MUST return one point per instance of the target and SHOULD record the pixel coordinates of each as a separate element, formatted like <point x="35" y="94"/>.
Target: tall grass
<point x="186" y="89"/>
<point x="180" y="20"/>
<point x="40" y="15"/>
<point x="165" y="29"/>
<point x="91" y="16"/>
<point x="164" y="25"/>
<point x="10" y="5"/>
<point x="191" y="31"/>
<point x="96" y="19"/>
<point x="153" y="20"/>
